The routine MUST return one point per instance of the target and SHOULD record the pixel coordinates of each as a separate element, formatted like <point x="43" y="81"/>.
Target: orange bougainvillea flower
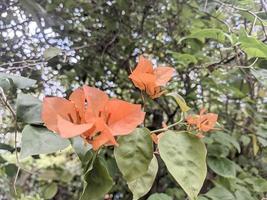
<point x="151" y="80"/>
<point x="203" y="122"/>
<point x="90" y="113"/>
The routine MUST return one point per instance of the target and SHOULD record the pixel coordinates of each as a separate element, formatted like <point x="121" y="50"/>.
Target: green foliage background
<point x="217" y="48"/>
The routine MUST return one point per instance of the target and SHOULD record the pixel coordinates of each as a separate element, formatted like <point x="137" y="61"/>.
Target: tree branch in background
<point x="4" y="101"/>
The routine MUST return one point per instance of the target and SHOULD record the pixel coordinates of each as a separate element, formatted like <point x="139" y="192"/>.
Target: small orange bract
<point x="203" y="122"/>
<point x="90" y="113"/>
<point x="150" y="80"/>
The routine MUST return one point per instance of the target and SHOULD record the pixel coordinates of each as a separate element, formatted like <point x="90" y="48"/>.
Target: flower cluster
<point x="151" y="80"/>
<point x="91" y="114"/>
<point x="203" y="122"/>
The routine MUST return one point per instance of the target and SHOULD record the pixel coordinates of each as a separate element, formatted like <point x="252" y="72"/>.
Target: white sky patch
<point x="32" y="28"/>
<point x="4" y="14"/>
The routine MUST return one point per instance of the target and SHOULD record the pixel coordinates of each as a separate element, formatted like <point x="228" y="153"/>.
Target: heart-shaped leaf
<point x="134" y="153"/>
<point x="49" y="191"/>
<point x="185" y="158"/>
<point x="222" y="166"/>
<point x="6" y="84"/>
<point x="218" y="193"/>
<point x="97" y="181"/>
<point x="19" y="81"/>
<point x="51" y="52"/>
<point x="80" y="147"/>
<point x="39" y="140"/>
<point x="142" y="185"/>
<point x="159" y="196"/>
<point x="29" y="109"/>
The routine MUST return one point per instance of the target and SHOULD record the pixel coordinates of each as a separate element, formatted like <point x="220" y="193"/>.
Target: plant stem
<point x="4" y="101"/>
<point x="170" y="126"/>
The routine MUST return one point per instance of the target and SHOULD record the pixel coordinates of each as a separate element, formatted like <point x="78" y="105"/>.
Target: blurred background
<point x="66" y="44"/>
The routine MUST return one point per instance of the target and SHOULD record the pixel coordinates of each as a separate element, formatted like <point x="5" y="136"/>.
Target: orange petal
<point x="151" y="88"/>
<point x="99" y="126"/>
<point x="124" y="116"/>
<point x="212" y="118"/>
<point x="157" y="93"/>
<point x="105" y="137"/>
<point x="192" y="119"/>
<point x="53" y="106"/>
<point x="96" y="99"/>
<point x="143" y="81"/>
<point x="144" y="65"/>
<point x="137" y="81"/>
<point x="68" y="129"/>
<point x="163" y="75"/>
<point x="78" y="98"/>
<point x="210" y="122"/>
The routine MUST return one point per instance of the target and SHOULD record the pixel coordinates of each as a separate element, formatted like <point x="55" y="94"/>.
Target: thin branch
<point x="14" y="26"/>
<point x="5" y="102"/>
<point x="24" y="65"/>
<point x="170" y="126"/>
<point x="214" y="17"/>
<point x="247" y="11"/>
<point x="109" y="44"/>
<point x="21" y="62"/>
<point x="253" y="25"/>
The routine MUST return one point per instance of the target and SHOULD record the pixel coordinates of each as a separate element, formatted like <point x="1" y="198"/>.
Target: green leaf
<point x="6" y="147"/>
<point x="219" y="193"/>
<point x="142" y="185"/>
<point x="226" y="139"/>
<point x="245" y="140"/>
<point x="134" y="153"/>
<point x="159" y="196"/>
<point x="242" y="193"/>
<point x="218" y="150"/>
<point x="185" y="158"/>
<point x="252" y="46"/>
<point x="51" y="52"/>
<point x="19" y="81"/>
<point x="228" y="183"/>
<point x="50" y="191"/>
<point x="89" y="160"/>
<point x="80" y="147"/>
<point x="29" y="109"/>
<point x="183" y="58"/>
<point x="11" y="170"/>
<point x="202" y="198"/>
<point x="180" y="101"/>
<point x="260" y="75"/>
<point x="208" y="33"/>
<point x="39" y="140"/>
<point x="6" y="84"/>
<point x="97" y="181"/>
<point x="262" y="136"/>
<point x="176" y="193"/>
<point x="222" y="166"/>
<point x="2" y="160"/>
<point x="258" y="184"/>
<point x="112" y="167"/>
